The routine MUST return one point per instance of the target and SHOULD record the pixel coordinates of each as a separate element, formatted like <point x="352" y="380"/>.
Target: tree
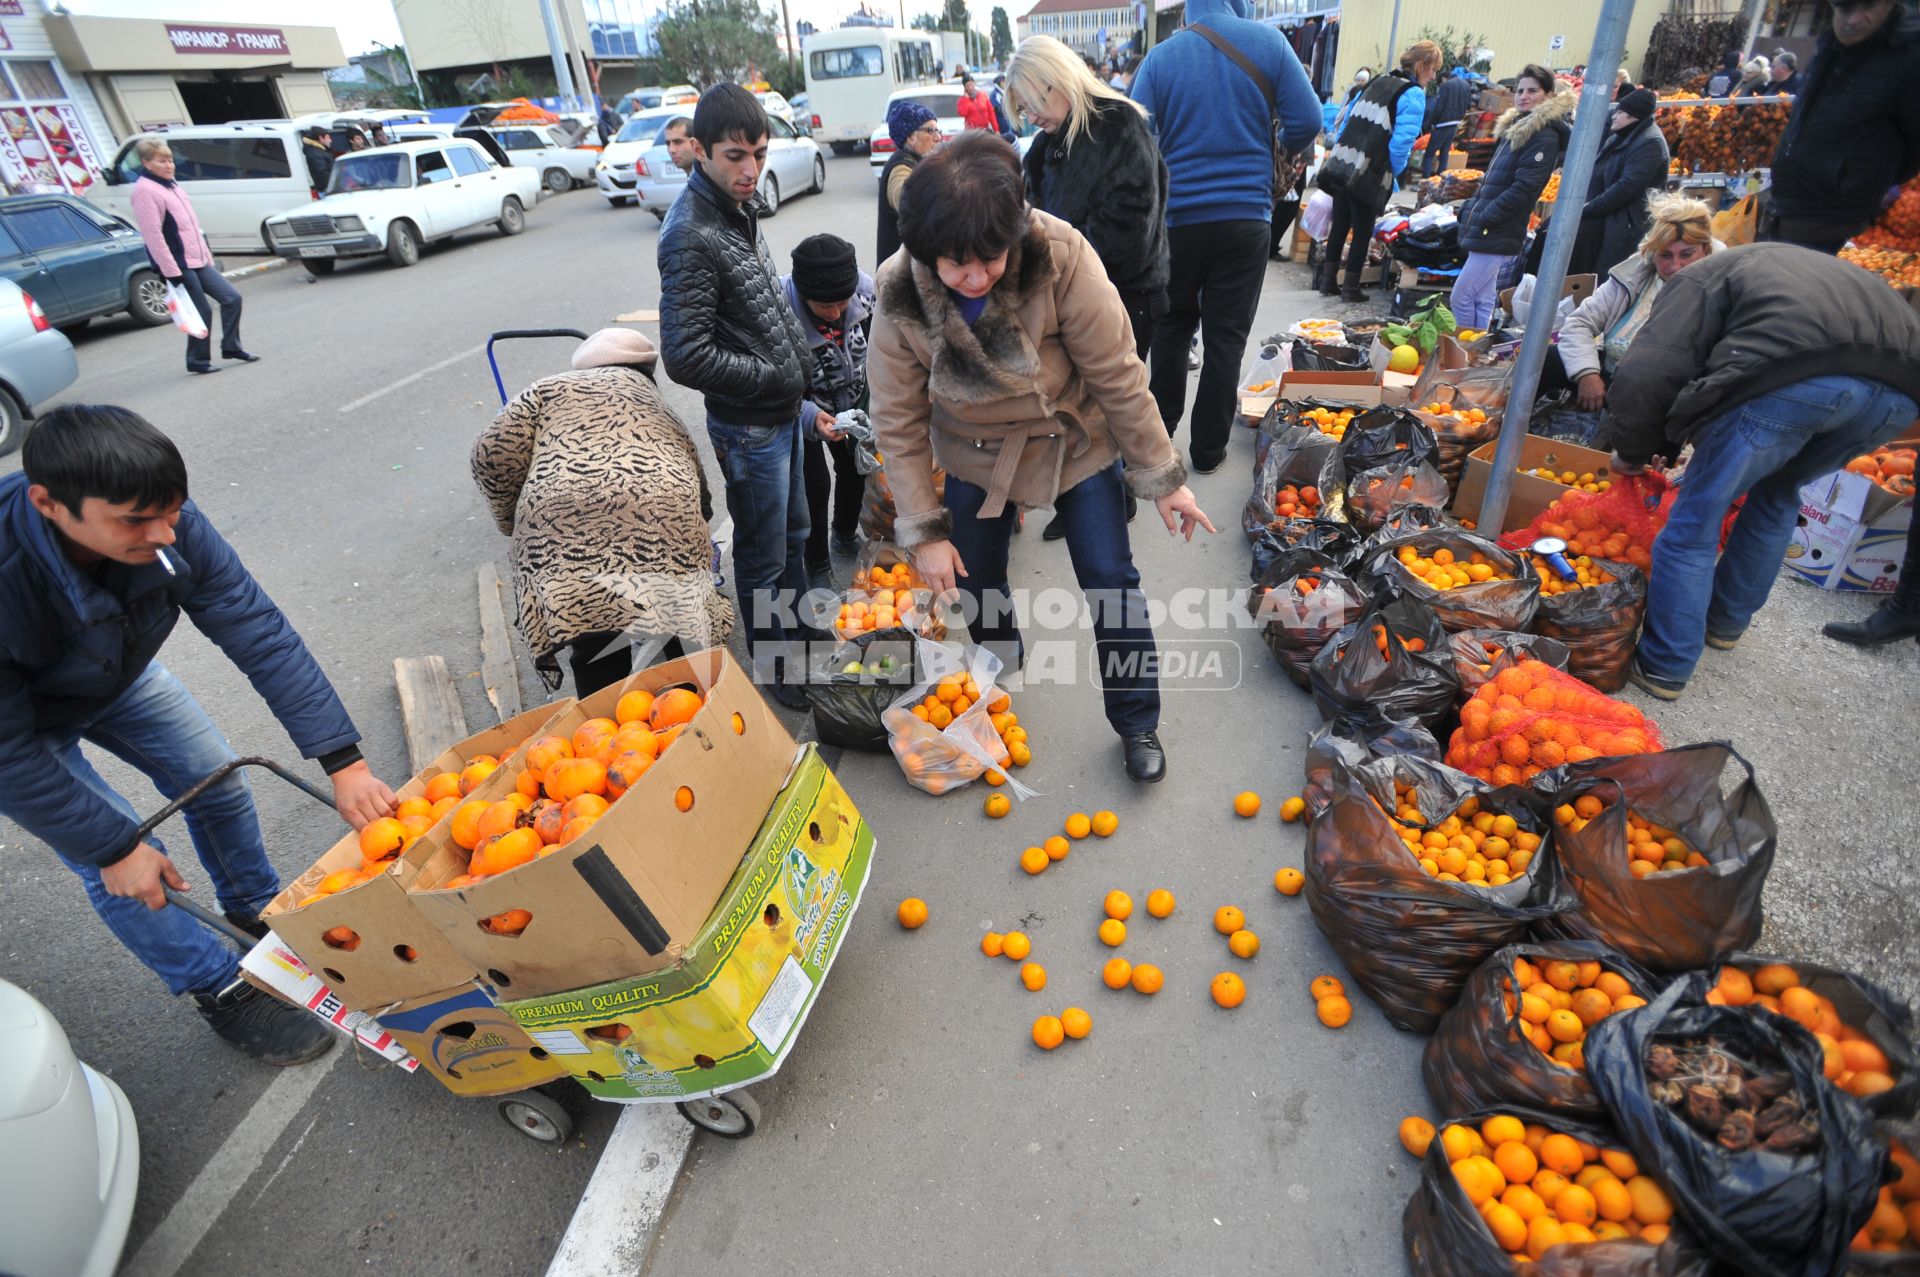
<point x="709" y="42"/>
<point x="1002" y="36"/>
<point x="388" y="93"/>
<point x="955" y="16"/>
<point x="1452" y="45"/>
<point x="926" y="22"/>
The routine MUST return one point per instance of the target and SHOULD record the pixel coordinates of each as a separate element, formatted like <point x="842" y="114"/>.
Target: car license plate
<point x="317" y="250"/>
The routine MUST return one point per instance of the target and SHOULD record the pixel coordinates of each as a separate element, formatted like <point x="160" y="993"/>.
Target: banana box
<point x="729" y="1009"/>
<point x="469" y="1043"/>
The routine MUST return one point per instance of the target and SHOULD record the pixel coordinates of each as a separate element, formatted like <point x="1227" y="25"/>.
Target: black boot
<point x="1146" y="757"/>
<point x="1353" y="294"/>
<point x="1327" y="282"/>
<point x="1887" y="623"/>
<point x="264" y="1027"/>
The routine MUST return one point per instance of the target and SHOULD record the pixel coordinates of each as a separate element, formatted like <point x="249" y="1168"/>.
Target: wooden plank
<point x="498" y="670"/>
<point x="429" y="707"/>
<point x="644" y="316"/>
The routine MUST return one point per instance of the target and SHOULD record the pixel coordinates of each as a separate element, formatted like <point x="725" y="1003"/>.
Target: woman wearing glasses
<point x="915" y="132"/>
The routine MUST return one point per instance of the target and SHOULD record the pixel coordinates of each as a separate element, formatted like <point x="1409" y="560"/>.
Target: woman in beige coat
<point x="602" y="492"/>
<point x="1003" y="355"/>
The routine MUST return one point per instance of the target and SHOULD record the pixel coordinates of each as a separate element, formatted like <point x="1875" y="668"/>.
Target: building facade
<point x="1088" y="30"/>
<point x="53" y="134"/>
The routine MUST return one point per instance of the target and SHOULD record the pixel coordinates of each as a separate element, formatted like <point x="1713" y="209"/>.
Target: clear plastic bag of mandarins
<point x="1390" y="664"/>
<point x="1532" y="718"/>
<point x="1517" y="1034"/>
<point x="1772" y="1167"/>
<point x="1409" y="934"/>
<point x="1449" y="1234"/>
<point x="1298" y="481"/>
<point x="1667" y="864"/>
<point x="1597" y="615"/>
<point x="1468" y="581"/>
<point x="1339" y="745"/>
<point x="1479" y="655"/>
<point x="938" y="750"/>
<point x="1373" y="496"/>
<point x="1866" y="1033"/>
<point x="1301" y="601"/>
<point x="884" y="592"/>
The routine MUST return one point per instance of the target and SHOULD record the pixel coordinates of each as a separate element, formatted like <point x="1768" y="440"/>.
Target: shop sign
<point x="226" y="40"/>
<point x="11" y="9"/>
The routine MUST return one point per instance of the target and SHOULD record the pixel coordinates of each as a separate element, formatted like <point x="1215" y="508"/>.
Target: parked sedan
<point x="393" y="199"/>
<point x="36" y="363"/>
<point x="544" y="149"/>
<point x="78" y="261"/>
<point x="794" y="165"/>
<point x="615" y="172"/>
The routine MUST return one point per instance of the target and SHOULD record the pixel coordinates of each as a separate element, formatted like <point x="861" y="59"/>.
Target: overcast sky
<point x="363" y="23"/>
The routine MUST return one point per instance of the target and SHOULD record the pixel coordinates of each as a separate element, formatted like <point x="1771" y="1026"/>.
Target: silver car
<point x="36" y="363"/>
<point x="794" y="165"/>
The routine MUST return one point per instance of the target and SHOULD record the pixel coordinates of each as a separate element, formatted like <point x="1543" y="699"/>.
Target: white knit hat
<point x="614" y="348"/>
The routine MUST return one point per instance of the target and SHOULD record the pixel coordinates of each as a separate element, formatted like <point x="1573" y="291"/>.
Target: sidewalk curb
<point x="258" y="268"/>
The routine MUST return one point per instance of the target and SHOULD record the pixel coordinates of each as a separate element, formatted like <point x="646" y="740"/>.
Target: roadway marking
<point x="412" y="377"/>
<point x="613" y="1226"/>
<point x="169" y="1246"/>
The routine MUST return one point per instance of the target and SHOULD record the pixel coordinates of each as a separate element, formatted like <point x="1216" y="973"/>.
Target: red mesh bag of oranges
<point x="1597" y="615"/>
<point x="1469" y="582"/>
<point x="1301" y="601"/>
<point x="1620" y="523"/>
<point x="1866" y="1034"/>
<point x="1415" y="873"/>
<point x="1479" y="655"/>
<point x="1668" y="868"/>
<point x="1515" y="1190"/>
<point x="1518" y="1033"/>
<point x="1532" y="718"/>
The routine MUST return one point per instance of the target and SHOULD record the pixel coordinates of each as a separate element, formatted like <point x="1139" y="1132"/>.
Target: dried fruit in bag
<point x="1468" y="581"/>
<point x="1532" y="718"/>
<point x="1302" y="600"/>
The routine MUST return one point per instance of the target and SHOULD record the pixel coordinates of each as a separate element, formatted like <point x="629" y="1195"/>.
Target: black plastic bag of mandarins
<point x="1374" y="496"/>
<point x="1480" y="655"/>
<point x="1329" y="536"/>
<point x="1390" y="664"/>
<point x="1468" y="581"/>
<point x="1447" y="1235"/>
<point x="1597" y="615"/>
<point x="1411" y="936"/>
<point x="1286" y="426"/>
<point x="1302" y="600"/>
<point x="1385" y="436"/>
<point x="1866" y="1032"/>
<point x="1340" y="745"/>
<point x="1300" y="480"/>
<point x="1516" y="1036"/>
<point x="1770" y="1165"/>
<point x="1667" y="867"/>
<point x="1404" y="520"/>
<point x="852" y="686"/>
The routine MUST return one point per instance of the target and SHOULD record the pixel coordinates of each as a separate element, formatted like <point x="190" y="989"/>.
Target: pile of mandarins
<point x="882" y="598"/>
<point x="1442" y="571"/>
<point x="1854" y="1063"/>
<point x="1559" y="1001"/>
<point x="1472" y="846"/>
<point x="1651" y="848"/>
<point x="1293" y="501"/>
<point x="1890" y="467"/>
<point x="1328" y="421"/>
<point x="1584" y="482"/>
<point x="1470" y="415"/>
<point x="1532" y="717"/>
<point x="1587" y="574"/>
<point x="951" y="697"/>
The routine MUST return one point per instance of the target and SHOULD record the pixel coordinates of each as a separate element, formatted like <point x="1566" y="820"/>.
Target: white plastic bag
<point x="1316" y="216"/>
<point x="939" y="760"/>
<point x="184" y="314"/>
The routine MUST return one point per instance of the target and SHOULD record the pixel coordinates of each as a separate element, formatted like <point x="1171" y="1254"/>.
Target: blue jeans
<point x="1477" y="289"/>
<point x="1438" y="144"/>
<point x="157" y="727"/>
<point x="206" y="285"/>
<point x="1767" y="448"/>
<point x="1094" y="512"/>
<point x="766" y="476"/>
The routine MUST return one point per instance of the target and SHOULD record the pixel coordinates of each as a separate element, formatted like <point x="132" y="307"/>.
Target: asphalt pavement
<point x="915" y="1128"/>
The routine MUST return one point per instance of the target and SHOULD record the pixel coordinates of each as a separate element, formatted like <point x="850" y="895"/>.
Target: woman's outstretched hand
<point x="939" y="563"/>
<point x="1181" y="513"/>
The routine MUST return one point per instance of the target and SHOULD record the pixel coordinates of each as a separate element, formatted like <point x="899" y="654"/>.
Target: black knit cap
<point x="825" y="269"/>
<point x="1639" y="103"/>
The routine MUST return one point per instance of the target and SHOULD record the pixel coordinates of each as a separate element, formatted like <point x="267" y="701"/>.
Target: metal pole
<point x="1590" y="124"/>
<point x="1753" y="27"/>
<point x="786" y="29"/>
<point x="562" y="76"/>
<point x="1393" y="35"/>
<point x="576" y="57"/>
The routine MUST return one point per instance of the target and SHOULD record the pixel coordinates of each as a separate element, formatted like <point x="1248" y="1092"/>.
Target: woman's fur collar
<point x="1517" y="128"/>
<point x="994" y="359"/>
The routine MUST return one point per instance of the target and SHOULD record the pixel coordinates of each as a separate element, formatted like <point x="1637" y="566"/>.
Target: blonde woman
<point x="1595" y="337"/>
<point x="1095" y="166"/>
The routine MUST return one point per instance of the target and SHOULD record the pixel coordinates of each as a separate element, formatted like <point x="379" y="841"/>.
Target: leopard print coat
<point x="601" y="490"/>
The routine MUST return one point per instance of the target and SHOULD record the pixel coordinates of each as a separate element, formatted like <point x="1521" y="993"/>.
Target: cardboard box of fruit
<point x="1852" y="531"/>
<point x="1530" y="494"/>
<point x="469" y="1043"/>
<point x="729" y="1006"/>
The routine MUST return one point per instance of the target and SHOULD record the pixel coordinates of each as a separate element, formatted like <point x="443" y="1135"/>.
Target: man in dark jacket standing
<point x="1854" y="133"/>
<point x="1778" y="365"/>
<point x="1446" y="109"/>
<point x="727" y="331"/>
<point x="1215" y="125"/>
<point x="315" y="145"/>
<point x="100" y="553"/>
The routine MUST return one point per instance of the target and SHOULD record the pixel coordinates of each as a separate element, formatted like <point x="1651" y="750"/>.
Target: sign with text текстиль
<point x="198" y="39"/>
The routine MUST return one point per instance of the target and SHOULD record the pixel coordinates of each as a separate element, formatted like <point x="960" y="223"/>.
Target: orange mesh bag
<point x="1532" y="718"/>
<point x="1620" y="523"/>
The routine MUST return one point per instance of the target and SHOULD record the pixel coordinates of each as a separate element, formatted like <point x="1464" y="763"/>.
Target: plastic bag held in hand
<point x="184" y="314"/>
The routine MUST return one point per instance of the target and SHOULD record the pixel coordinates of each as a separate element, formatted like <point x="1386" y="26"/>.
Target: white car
<point x="775" y="105"/>
<point x="614" y="173"/>
<point x="794" y="165"/>
<point x="548" y="151"/>
<point x="36" y="363"/>
<point x="945" y="105"/>
<point x="394" y="199"/>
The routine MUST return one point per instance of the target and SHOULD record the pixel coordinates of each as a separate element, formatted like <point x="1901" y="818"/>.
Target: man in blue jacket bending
<point x="100" y="552"/>
<point x="1215" y="127"/>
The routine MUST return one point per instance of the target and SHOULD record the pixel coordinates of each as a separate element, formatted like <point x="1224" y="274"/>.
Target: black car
<point x="78" y="261"/>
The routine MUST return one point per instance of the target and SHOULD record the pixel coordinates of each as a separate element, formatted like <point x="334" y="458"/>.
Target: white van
<point x="237" y="176"/>
<point x="853" y="71"/>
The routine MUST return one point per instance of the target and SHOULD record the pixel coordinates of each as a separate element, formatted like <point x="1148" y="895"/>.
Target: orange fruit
<point x="1033" y="976"/>
<point x="1016" y="945"/>
<point x="412" y="807"/>
<point x="465" y="826"/>
<point x="1288" y="882"/>
<point x="445" y="785"/>
<point x="591" y="734"/>
<point x="991" y="942"/>
<point x="1334" y="1011"/>
<point x="1866" y="1082"/>
<point x="673" y="707"/>
<point x="1076" y="1023"/>
<point x="1863" y="1056"/>
<point x="1034" y="860"/>
<point x="1227" y="920"/>
<point x="1775" y="978"/>
<point x="1160" y="902"/>
<point x="1508" y="1229"/>
<point x="1735" y="987"/>
<point x="1565" y="1026"/>
<point x="912" y="913"/>
<point x="545" y="752"/>
<point x="1516" y="1161"/>
<point x="1457" y="1141"/>
<point x="345" y="939"/>
<point x="1503" y="1129"/>
<point x="1293" y="808"/>
<point x="509" y="851"/>
<point x="1246" y="803"/>
<point x="1612" y="1200"/>
<point x="1416" y="1133"/>
<point x="510" y="923"/>
<point x="473" y="773"/>
<point x="1078" y="825"/>
<point x="1228" y="989"/>
<point x="1561" y="1154"/>
<point x="1119" y="905"/>
<point x="634" y="707"/>
<point x="1620" y="1162"/>
<point x="1116" y="973"/>
<point x="1575" y="1205"/>
<point x="498" y="818"/>
<point x="1543" y="1234"/>
<point x="381" y="838"/>
<point x="1147" y="978"/>
<point x="1056" y="847"/>
<point x="1243" y="944"/>
<point x="1105" y="823"/>
<point x="1325" y="986"/>
<point x="997" y="805"/>
<point x="1113" y="933"/>
<point x="1048" y="1032"/>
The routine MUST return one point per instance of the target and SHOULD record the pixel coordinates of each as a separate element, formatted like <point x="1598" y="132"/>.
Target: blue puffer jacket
<point x="1531" y="146"/>
<point x="71" y="643"/>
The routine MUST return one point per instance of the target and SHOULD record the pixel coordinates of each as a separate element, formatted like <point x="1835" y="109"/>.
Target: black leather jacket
<point x="725" y="327"/>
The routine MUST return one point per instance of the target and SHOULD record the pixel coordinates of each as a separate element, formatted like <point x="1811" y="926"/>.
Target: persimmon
<point x="465" y="827"/>
<point x="571" y="777"/>
<point x="498" y="818"/>
<point x="510" y="923"/>
<point x="443" y="786"/>
<point x="633" y="707"/>
<point x="673" y="707"/>
<point x="381" y="839"/>
<point x="545" y="752"/>
<point x="509" y="851"/>
<point x="588" y="736"/>
<point x="475" y="772"/>
<point x="625" y="771"/>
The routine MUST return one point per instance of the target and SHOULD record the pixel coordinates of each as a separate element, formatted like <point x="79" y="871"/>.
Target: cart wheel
<point x="538" y="1116"/>
<point x="732" y="1116"/>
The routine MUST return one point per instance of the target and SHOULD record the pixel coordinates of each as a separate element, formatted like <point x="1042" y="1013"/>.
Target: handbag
<point x="1286" y="168"/>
